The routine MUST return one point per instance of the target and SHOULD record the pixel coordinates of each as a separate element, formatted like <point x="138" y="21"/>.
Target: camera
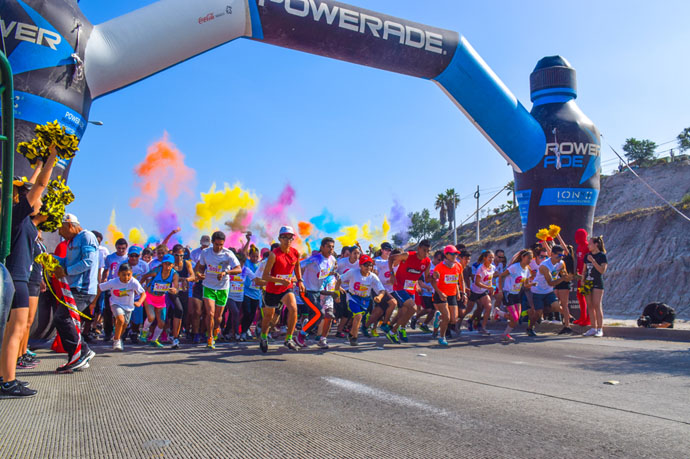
<point x="644" y="321"/>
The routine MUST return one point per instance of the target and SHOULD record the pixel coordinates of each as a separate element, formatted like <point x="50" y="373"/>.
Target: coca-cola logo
<point x="207" y="18"/>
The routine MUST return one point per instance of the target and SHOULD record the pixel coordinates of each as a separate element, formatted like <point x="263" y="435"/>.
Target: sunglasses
<point x="134" y="255"/>
<point x="289" y="238"/>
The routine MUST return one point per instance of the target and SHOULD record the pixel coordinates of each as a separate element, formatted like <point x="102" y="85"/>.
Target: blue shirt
<point x="249" y="290"/>
<point x="81" y="262"/>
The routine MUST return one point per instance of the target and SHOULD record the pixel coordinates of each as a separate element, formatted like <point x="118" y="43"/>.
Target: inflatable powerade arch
<point x="62" y="62"/>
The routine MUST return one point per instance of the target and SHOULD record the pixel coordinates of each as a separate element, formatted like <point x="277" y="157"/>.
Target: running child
<point x="510" y="283"/>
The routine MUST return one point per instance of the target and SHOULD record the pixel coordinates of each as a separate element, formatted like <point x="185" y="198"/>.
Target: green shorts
<point x="219" y="296"/>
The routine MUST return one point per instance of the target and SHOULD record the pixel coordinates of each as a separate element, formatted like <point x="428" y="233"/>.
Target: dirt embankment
<point x="648" y="244"/>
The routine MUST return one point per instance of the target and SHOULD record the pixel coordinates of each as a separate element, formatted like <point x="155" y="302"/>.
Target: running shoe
<point x="353" y="340"/>
<point x="263" y="345"/>
<point x="15" y="389"/>
<point x="300" y="339"/>
<point x="402" y="333"/>
<point x="290" y="344"/>
<point x="83" y="362"/>
<point x="530" y="332"/>
<point x="197" y="339"/>
<point x="385" y="328"/>
<point x="590" y="332"/>
<point x="340" y="335"/>
<point x="156" y="343"/>
<point x="142" y="337"/>
<point x="176" y="343"/>
<point x="566" y="331"/>
<point x="237" y="337"/>
<point x="30" y="358"/>
<point x="243" y="337"/>
<point x="117" y="345"/>
<point x="365" y="331"/>
<point x="599" y="333"/>
<point x="437" y="319"/>
<point x="23" y="364"/>
<point x="392" y="337"/>
<point x="507" y="338"/>
<point x="23" y="383"/>
<point x="425" y="328"/>
<point x="32" y="354"/>
<point x="375" y="332"/>
<point x="323" y="343"/>
<point x="211" y="343"/>
<point x="413" y="323"/>
<point x="442" y="342"/>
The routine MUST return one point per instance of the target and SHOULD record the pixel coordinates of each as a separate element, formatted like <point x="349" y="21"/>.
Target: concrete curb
<point x="661" y="334"/>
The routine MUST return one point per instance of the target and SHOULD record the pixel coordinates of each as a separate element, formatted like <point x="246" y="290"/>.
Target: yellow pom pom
<point x="554" y="231"/>
<point x="543" y="234"/>
<point x="49" y="262"/>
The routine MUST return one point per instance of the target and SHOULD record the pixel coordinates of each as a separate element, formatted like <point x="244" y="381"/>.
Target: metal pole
<point x="455" y="223"/>
<point x="476" y="196"/>
<point x="7" y="138"/>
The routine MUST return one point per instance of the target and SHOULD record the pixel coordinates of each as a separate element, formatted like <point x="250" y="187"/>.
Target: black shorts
<point x="427" y="302"/>
<point x="477" y="296"/>
<point x="34" y="288"/>
<point x="21" y="295"/>
<point x="451" y="300"/>
<point x="341" y="309"/>
<point x="198" y="291"/>
<point x="511" y="299"/>
<point x="563" y="286"/>
<point x="274" y="300"/>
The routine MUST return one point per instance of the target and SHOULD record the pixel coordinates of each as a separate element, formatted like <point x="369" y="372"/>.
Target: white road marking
<point x="384" y="396"/>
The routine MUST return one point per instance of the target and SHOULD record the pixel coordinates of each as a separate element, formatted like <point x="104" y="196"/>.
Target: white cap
<point x="70" y="218"/>
<point x="287" y="230"/>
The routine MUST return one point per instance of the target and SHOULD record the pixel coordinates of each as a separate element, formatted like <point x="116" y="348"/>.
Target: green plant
<point x="640" y="152"/>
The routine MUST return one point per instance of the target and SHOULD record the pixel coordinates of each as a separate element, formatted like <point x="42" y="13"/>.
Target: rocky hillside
<point x="648" y="244"/>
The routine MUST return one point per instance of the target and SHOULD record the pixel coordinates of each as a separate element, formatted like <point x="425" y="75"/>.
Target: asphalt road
<point x="479" y="398"/>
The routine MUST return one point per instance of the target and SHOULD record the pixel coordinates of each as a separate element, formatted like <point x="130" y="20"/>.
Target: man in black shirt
<point x="657" y="315"/>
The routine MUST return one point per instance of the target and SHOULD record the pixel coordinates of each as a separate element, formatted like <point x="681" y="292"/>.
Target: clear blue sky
<point x="349" y="137"/>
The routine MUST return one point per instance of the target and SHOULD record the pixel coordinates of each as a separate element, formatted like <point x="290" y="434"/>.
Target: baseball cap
<point x="168" y="259"/>
<point x="205" y="240"/>
<point x="386" y="246"/>
<point x="450" y="249"/>
<point x="21" y="181"/>
<point x="70" y="218"/>
<point x="364" y="259"/>
<point x="134" y="249"/>
<point x="287" y="230"/>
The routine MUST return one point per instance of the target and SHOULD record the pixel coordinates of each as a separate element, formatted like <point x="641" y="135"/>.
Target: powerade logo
<point x="569" y="154"/>
<point x="569" y="197"/>
<point x="363" y="23"/>
<point x="30" y="33"/>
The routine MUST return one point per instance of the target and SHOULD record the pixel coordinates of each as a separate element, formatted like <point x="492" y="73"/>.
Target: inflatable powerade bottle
<point x="563" y="188"/>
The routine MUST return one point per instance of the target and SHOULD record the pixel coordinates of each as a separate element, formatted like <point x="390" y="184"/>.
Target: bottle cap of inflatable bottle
<point x="553" y="80"/>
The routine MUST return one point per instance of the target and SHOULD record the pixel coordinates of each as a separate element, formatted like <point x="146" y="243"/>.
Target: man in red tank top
<point x="412" y="265"/>
<point x="282" y="265"/>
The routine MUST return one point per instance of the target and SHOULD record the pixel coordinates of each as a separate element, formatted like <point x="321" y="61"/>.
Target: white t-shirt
<point x="315" y="270"/>
<point x="384" y="273"/>
<point x="486" y="275"/>
<point x="542" y="286"/>
<point x="361" y="286"/>
<point x="102" y="253"/>
<point x="215" y="264"/>
<point x="122" y="294"/>
<point x="513" y="282"/>
<point x="259" y="271"/>
<point x="344" y="266"/>
<point x="237" y="282"/>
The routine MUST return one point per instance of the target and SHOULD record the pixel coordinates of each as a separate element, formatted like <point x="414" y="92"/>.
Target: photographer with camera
<point x="657" y="315"/>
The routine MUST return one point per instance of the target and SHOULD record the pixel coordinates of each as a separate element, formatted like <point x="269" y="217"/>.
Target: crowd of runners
<point x="168" y="298"/>
<point x="213" y="293"/>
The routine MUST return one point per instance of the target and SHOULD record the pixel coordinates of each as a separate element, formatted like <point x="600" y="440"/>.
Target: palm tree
<point x="510" y="186"/>
<point x="440" y="205"/>
<point x="452" y="201"/>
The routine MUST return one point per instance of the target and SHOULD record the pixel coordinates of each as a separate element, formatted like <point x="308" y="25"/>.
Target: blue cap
<point x="134" y="249"/>
<point x="168" y="259"/>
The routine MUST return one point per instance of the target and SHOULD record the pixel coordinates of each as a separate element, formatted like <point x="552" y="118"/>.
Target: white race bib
<point x="160" y="288"/>
<point x="450" y="279"/>
<point x="410" y="284"/>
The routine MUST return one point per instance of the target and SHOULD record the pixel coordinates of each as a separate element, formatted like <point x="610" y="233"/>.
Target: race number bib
<point x="409" y="285"/>
<point x="361" y="289"/>
<point x="450" y="279"/>
<point x="236" y="285"/>
<point x="286" y="277"/>
<point x="160" y="288"/>
<point x="214" y="269"/>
